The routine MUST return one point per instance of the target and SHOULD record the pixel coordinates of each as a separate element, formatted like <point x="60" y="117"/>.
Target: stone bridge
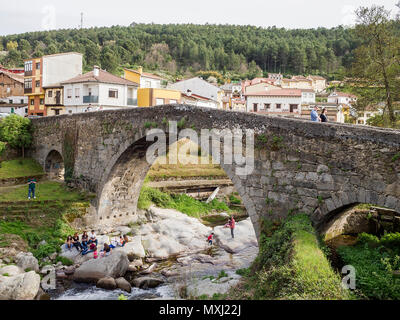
<point x="299" y="166"/>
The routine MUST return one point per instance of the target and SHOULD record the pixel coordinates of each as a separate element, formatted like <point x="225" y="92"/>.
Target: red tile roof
<point x="278" y="92"/>
<point x="15" y="76"/>
<point x="104" y="77"/>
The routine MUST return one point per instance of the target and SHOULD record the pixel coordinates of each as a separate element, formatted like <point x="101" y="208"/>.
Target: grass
<point x="182" y="203"/>
<point x="290" y="266"/>
<point x="375" y="260"/>
<point x="18" y="168"/>
<point x="48" y="190"/>
<point x="48" y="218"/>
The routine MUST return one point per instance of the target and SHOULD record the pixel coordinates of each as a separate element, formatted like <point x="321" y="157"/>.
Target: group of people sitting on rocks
<point x="89" y="244"/>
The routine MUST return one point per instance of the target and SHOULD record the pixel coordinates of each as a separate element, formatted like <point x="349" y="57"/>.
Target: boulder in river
<point x="24" y="286"/>
<point x="107" y="283"/>
<point x="134" y="248"/>
<point x="147" y="282"/>
<point x="115" y="265"/>
<point x="10" y="270"/>
<point x="26" y="260"/>
<point x="245" y="237"/>
<point x="172" y="233"/>
<point x="123" y="284"/>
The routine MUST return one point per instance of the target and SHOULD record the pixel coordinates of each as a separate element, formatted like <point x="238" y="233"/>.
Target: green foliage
<point x="64" y="261"/>
<point x="246" y="272"/>
<point x="291" y="265"/>
<point x="232" y="51"/>
<point x="234" y="200"/>
<point x="375" y="261"/>
<point x="149" y="125"/>
<point x="180" y="202"/>
<point x="181" y="123"/>
<point x="2" y="147"/>
<point x="122" y="297"/>
<point x="16" y="131"/>
<point x="394" y="159"/>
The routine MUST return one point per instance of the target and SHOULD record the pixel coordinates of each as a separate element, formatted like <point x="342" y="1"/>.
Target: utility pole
<point x="81" y="20"/>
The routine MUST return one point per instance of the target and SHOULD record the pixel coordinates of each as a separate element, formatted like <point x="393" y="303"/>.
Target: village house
<point x="239" y="105"/>
<point x="11" y="84"/>
<point x="276" y="76"/>
<point x="369" y="112"/>
<point x="149" y="97"/>
<point x="198" y="101"/>
<point x="318" y="83"/>
<point x="201" y="88"/>
<point x="280" y="101"/>
<point x="143" y="79"/>
<point x="342" y="98"/>
<point x="98" y="90"/>
<point x="297" y="82"/>
<point x="54" y="100"/>
<point x="46" y="71"/>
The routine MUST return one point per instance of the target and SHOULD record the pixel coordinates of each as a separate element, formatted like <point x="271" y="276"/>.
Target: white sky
<point x="20" y="16"/>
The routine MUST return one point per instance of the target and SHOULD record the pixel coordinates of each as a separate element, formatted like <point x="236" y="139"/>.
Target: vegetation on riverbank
<point x="25" y="224"/>
<point x="180" y="202"/>
<point x="290" y="265"/>
<point x="18" y="168"/>
<point x="377" y="264"/>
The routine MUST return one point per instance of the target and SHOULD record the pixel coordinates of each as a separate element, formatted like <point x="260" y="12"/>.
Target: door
<point x="58" y="97"/>
<point x="293" y="108"/>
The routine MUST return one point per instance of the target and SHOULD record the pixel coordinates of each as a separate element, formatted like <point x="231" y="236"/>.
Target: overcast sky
<point x="19" y="16"/>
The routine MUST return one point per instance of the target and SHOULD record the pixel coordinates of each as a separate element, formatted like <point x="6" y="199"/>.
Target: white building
<point x="15" y="100"/>
<point x="199" y="87"/>
<point x="98" y="90"/>
<point x="279" y="101"/>
<point x="369" y="112"/>
<point x="198" y="101"/>
<point x="342" y="98"/>
<point x="318" y="83"/>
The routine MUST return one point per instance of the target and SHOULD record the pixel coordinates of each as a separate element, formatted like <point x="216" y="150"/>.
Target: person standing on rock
<point x="32" y="187"/>
<point x="210" y="239"/>
<point x="232" y="226"/>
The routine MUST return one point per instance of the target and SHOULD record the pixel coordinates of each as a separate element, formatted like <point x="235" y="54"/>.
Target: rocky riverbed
<point x="167" y="257"/>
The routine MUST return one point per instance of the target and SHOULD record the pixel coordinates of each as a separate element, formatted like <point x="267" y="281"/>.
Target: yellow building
<point x="149" y="97"/>
<point x="143" y="79"/>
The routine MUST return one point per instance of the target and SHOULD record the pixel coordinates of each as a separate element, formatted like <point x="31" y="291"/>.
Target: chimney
<point x="189" y="92"/>
<point x="140" y="70"/>
<point x="96" y="71"/>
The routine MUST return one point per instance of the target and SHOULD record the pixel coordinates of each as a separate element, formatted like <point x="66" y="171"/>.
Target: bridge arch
<point x="124" y="177"/>
<point x="54" y="165"/>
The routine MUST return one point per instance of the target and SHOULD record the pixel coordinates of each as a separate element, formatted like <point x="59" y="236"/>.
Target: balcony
<point x="27" y="90"/>
<point x="90" y="99"/>
<point x="132" y="102"/>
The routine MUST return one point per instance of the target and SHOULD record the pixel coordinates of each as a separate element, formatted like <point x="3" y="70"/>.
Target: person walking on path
<point x="32" y="187"/>
<point x="323" y="116"/>
<point x="232" y="226"/>
<point x="314" y="115"/>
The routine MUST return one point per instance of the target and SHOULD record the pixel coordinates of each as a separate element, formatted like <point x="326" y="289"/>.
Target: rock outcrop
<point x="115" y="265"/>
<point x="23" y="286"/>
<point x="26" y="260"/>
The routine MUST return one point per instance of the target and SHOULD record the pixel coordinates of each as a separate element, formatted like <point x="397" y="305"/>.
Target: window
<point x="22" y="101"/>
<point x="10" y="101"/>
<point x="69" y="93"/>
<point x="159" y="102"/>
<point x="41" y="101"/>
<point x="57" y="112"/>
<point x="267" y="106"/>
<point x="32" y="102"/>
<point x="368" y="115"/>
<point x="37" y="83"/>
<point x="26" y="110"/>
<point x="28" y="84"/>
<point x="50" y="94"/>
<point x="37" y="65"/>
<point x="278" y="105"/>
<point x="77" y="93"/>
<point x="173" y="101"/>
<point x="112" y="93"/>
<point x="28" y="66"/>
<point x="255" y="107"/>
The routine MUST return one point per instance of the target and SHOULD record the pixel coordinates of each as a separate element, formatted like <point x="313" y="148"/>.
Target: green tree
<point x="109" y="61"/>
<point x="377" y="59"/>
<point x="17" y="132"/>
